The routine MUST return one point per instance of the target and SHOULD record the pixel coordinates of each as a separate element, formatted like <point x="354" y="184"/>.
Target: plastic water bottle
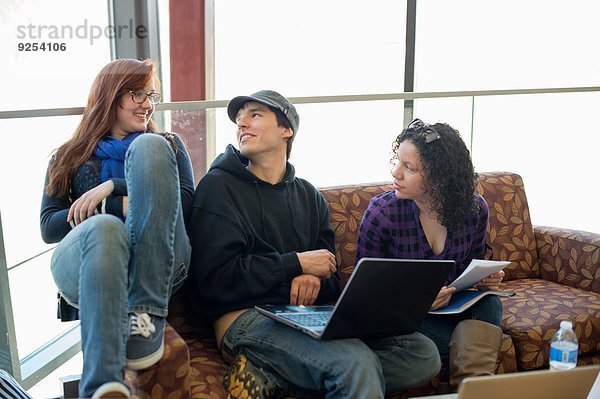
<point x="563" y="348"/>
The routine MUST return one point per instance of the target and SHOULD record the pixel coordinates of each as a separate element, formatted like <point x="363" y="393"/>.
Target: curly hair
<point x="448" y="173"/>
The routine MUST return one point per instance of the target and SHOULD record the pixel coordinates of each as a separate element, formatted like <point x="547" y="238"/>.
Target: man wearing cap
<point x="261" y="235"/>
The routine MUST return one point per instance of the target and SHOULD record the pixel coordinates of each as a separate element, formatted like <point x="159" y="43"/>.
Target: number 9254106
<point x="43" y="46"/>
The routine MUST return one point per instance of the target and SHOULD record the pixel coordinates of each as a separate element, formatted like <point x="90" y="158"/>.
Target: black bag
<point x="66" y="312"/>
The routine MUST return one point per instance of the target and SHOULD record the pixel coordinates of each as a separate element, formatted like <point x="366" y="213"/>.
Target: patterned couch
<point x="555" y="273"/>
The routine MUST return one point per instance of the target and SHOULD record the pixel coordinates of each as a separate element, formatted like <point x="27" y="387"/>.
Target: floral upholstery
<point x="555" y="273"/>
<point x="532" y="317"/>
<point x="569" y="257"/>
<point x="552" y="271"/>
<point x="346" y="207"/>
<point x="191" y="366"/>
<point x="170" y="377"/>
<point x="510" y="233"/>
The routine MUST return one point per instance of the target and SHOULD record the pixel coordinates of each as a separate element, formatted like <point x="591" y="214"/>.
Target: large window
<point x="478" y="45"/>
<point x="474" y="45"/>
<point x="59" y="75"/>
<point x="50" y="59"/>
<point x="307" y="48"/>
<point x="316" y="48"/>
<point x="23" y="176"/>
<point x="303" y="49"/>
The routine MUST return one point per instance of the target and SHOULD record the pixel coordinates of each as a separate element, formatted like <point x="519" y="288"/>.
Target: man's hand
<point x="305" y="289"/>
<point x="320" y="262"/>
<point x="443" y="297"/>
<point x="491" y="282"/>
<point x="85" y="206"/>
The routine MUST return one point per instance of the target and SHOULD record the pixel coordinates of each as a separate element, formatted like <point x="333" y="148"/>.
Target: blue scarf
<point x="112" y="153"/>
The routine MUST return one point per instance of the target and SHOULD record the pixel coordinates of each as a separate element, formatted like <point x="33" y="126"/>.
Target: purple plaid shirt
<point x="390" y="228"/>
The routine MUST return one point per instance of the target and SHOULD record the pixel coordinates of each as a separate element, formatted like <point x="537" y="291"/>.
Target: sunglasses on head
<point x="427" y="131"/>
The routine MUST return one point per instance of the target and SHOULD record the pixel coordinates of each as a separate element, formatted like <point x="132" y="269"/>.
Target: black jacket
<point x="245" y="234"/>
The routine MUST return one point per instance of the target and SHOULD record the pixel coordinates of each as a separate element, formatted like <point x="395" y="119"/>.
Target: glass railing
<point x="541" y="134"/>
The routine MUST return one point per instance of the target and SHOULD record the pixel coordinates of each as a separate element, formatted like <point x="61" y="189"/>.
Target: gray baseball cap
<point x="270" y="98"/>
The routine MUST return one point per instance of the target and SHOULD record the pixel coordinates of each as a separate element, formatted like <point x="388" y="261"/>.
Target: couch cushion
<point x="510" y="232"/>
<point x="532" y="317"/>
<point x="207" y="367"/>
<point x="170" y="377"/>
<point x="507" y="358"/>
<point x="346" y="207"/>
<point x="570" y="257"/>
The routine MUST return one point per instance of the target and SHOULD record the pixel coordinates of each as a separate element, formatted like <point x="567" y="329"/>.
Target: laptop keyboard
<point x="314" y="319"/>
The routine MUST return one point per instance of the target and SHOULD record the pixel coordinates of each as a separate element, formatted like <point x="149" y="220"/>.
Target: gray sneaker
<point x="145" y="345"/>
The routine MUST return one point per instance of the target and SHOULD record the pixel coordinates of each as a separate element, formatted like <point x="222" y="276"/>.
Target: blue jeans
<point x="440" y="327"/>
<point x="344" y="368"/>
<point x="109" y="268"/>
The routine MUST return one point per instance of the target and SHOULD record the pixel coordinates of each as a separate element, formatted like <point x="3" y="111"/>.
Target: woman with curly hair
<point x="117" y="197"/>
<point x="434" y="212"/>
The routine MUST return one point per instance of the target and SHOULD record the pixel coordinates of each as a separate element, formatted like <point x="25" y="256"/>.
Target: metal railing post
<point x="9" y="356"/>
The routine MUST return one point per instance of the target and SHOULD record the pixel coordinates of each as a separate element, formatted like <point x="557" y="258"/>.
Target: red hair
<point x="99" y="115"/>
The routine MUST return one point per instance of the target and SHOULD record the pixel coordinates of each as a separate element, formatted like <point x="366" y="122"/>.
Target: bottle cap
<point x="566" y="324"/>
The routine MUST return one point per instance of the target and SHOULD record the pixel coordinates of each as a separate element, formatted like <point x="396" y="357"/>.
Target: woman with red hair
<point x="117" y="198"/>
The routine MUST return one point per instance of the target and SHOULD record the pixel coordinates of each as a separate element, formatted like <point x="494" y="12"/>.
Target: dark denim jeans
<point x="342" y="368"/>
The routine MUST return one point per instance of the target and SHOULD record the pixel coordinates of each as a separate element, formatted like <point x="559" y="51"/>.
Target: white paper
<point x="595" y="391"/>
<point x="477" y="270"/>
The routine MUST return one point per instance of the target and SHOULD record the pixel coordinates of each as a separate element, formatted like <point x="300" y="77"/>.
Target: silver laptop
<point x="547" y="384"/>
<point x="383" y="297"/>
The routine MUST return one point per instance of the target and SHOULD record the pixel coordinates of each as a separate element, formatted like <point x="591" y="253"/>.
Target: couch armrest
<point x="569" y="257"/>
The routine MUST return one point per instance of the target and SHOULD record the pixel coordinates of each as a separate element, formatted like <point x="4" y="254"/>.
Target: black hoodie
<point x="245" y="234"/>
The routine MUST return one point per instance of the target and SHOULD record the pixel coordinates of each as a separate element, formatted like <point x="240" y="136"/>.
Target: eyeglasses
<point x="425" y="130"/>
<point x="139" y="97"/>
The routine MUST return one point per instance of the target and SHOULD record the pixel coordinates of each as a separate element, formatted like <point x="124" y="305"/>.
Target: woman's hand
<point x="86" y="205"/>
<point x="443" y="297"/>
<point x="491" y="282"/>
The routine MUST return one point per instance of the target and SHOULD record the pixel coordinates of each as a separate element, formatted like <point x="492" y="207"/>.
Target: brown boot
<point x="474" y="348"/>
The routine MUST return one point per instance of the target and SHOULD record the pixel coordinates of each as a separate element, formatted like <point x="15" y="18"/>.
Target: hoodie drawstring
<point x="287" y="189"/>
<point x="262" y="210"/>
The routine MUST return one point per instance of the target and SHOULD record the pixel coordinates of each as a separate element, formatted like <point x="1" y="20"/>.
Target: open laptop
<point x="548" y="384"/>
<point x="383" y="297"/>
